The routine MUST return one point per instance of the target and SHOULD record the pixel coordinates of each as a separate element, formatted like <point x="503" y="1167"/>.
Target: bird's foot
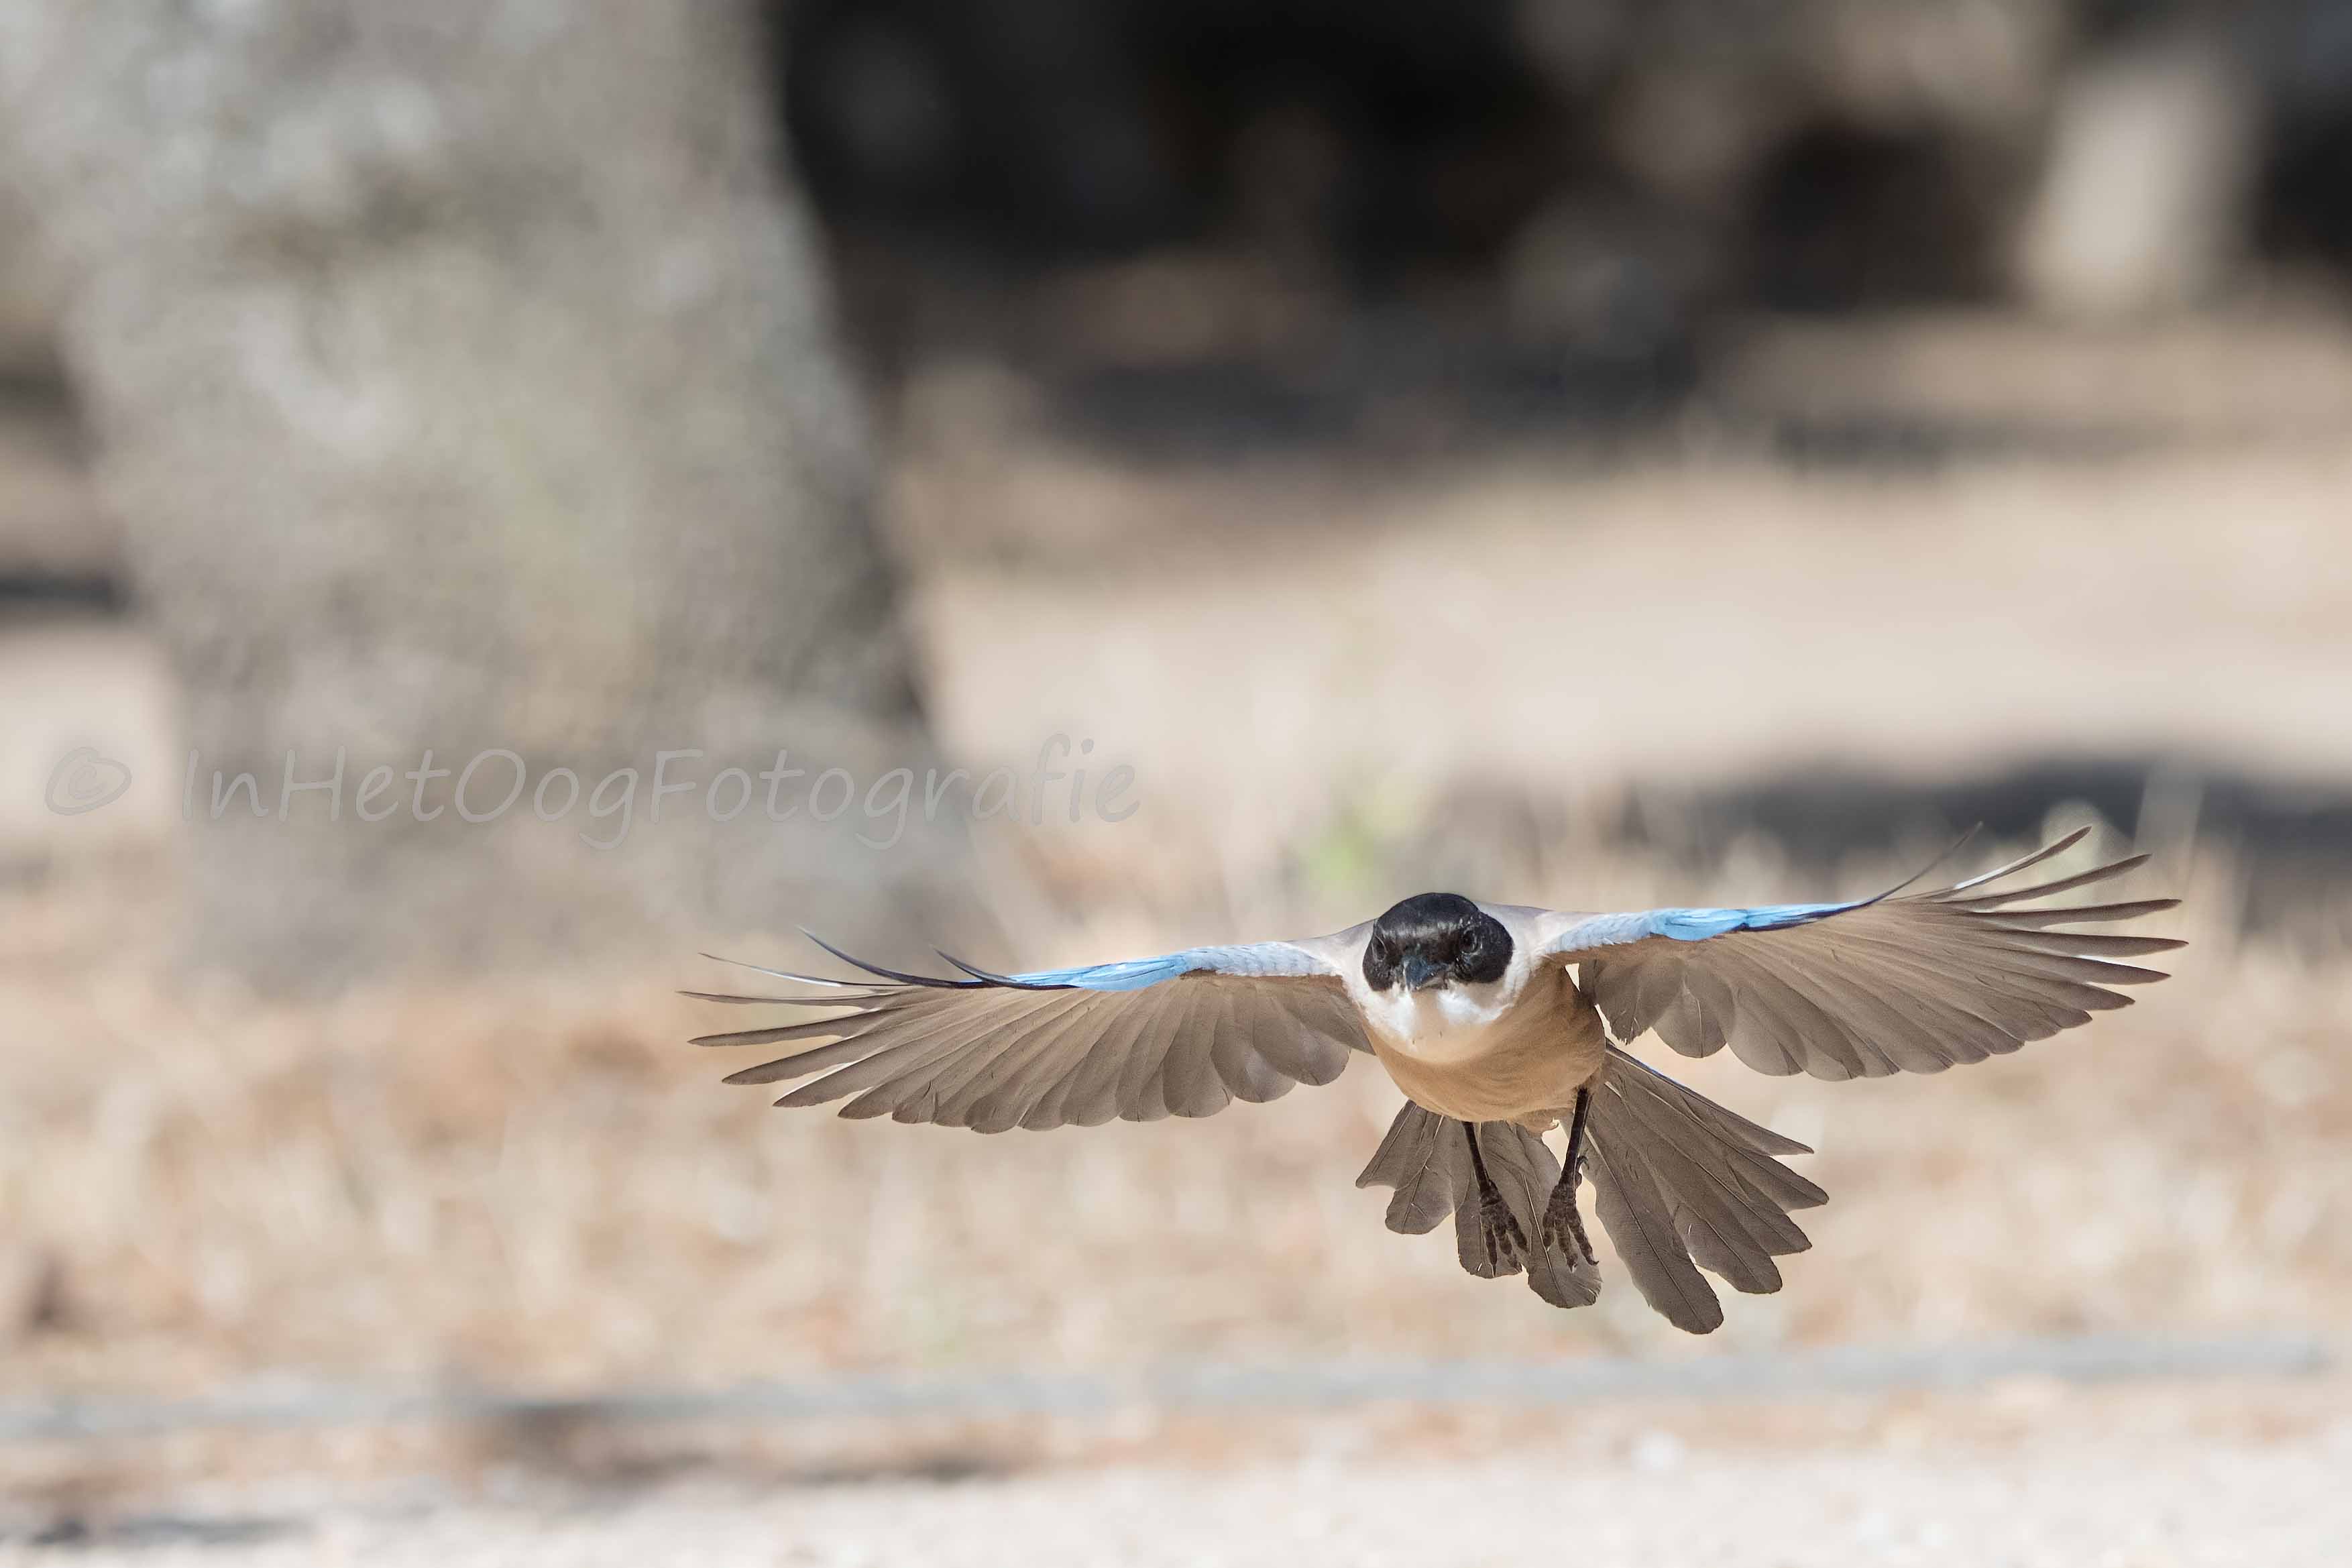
<point x="1507" y="1244"/>
<point x="1563" y="1225"/>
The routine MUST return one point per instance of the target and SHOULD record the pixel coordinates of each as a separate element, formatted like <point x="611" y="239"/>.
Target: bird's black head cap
<point x="1435" y="939"/>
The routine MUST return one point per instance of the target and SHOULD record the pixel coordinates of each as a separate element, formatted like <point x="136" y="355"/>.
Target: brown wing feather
<point x="1912" y="984"/>
<point x="992" y="1057"/>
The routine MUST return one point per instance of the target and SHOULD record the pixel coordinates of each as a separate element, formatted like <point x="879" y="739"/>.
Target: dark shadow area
<point x="605" y="1449"/>
<point x="2304" y="202"/>
<point x="35" y="592"/>
<point x="2293" y="845"/>
<point x="1844" y="217"/>
<point x="1057" y="130"/>
<point x="1897" y="442"/>
<point x="57" y="548"/>
<point x="1396" y="387"/>
<point x="1397" y="224"/>
<point x="164" y="1533"/>
<point x="1394" y="227"/>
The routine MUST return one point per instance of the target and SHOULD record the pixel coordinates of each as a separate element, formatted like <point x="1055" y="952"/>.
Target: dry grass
<point x="537" y="1183"/>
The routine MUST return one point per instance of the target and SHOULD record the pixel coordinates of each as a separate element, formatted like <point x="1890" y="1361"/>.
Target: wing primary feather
<point x="1984" y="902"/>
<point x="962" y="1081"/>
<point x="787" y="1001"/>
<point x="1022" y="1078"/>
<point x="2088" y="914"/>
<point x="789" y="974"/>
<point x="807" y="1029"/>
<point x="805" y="1063"/>
<point x="1091" y="1094"/>
<point x="995" y="979"/>
<point x="884" y="1063"/>
<point x="2047" y="852"/>
<point x="879" y="1080"/>
<point x="2061" y="1003"/>
<point x="2085" y="944"/>
<point x="1076" y="1088"/>
<point x="932" y="980"/>
<point x="1985" y="950"/>
<point x="1957" y="844"/>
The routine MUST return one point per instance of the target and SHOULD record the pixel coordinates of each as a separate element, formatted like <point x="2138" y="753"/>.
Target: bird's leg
<point x="1507" y="1244"/>
<point x="1562" y="1224"/>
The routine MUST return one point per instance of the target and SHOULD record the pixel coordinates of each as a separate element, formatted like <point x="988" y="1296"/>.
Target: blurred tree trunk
<point x="462" y="373"/>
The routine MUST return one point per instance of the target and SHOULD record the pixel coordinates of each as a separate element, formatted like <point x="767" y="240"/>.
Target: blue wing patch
<point x="1690" y="925"/>
<point x="1257" y="960"/>
<point x="1251" y="958"/>
<point x="1697" y="925"/>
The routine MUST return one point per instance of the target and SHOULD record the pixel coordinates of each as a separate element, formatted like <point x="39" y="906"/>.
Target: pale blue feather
<point x="1250" y="958"/>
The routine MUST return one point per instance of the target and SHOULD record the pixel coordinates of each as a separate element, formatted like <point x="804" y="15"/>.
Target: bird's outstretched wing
<point x="1894" y="984"/>
<point x="1184" y="1033"/>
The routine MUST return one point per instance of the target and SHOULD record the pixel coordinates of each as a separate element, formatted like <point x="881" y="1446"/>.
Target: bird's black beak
<point x="1420" y="974"/>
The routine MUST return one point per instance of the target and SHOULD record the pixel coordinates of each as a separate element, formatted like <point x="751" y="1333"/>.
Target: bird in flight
<point x="1500" y="1023"/>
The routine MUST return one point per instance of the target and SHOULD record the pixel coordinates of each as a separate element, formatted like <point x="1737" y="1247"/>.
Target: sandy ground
<point x="2118" y="1504"/>
<point x="2025" y="1474"/>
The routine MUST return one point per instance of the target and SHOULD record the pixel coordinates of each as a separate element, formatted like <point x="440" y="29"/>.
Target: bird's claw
<point x="1507" y="1244"/>
<point x="1563" y="1225"/>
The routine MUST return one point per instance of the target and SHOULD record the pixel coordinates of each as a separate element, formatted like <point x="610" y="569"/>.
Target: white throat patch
<point x="1441" y="1021"/>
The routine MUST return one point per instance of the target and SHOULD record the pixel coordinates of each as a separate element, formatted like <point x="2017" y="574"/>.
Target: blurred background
<point x="1570" y="451"/>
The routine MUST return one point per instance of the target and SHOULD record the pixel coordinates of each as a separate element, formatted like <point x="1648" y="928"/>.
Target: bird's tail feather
<point x="1426" y="1158"/>
<point x="1681" y="1184"/>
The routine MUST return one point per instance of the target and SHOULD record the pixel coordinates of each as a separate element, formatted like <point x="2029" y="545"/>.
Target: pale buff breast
<point x="1523" y="1066"/>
